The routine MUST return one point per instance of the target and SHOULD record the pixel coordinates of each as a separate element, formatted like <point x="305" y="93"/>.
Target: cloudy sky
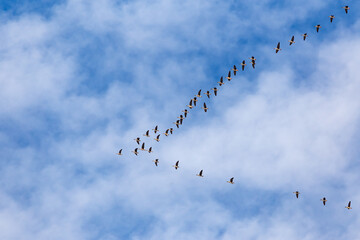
<point x="81" y="79"/>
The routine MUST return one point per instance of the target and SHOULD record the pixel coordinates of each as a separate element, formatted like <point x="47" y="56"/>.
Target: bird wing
<point x="278" y="46"/>
<point x="199" y="92"/>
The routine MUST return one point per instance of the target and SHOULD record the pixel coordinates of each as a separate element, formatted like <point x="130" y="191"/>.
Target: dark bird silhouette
<point x="205" y="108"/>
<point x="349" y="206"/>
<point x="304" y="36"/>
<point x="229" y="76"/>
<point x="171" y="130"/>
<point x="156" y="129"/>
<point x="157" y="138"/>
<point x="200" y="174"/>
<point x="346" y="9"/>
<point x="221" y="81"/>
<point x="253" y="61"/>
<point x="207" y="94"/>
<point x="277" y="49"/>
<point x="166" y="133"/>
<point x="176" y="166"/>
<point x="235" y="70"/>
<point x="318" y="27"/>
<point x="177" y="123"/>
<point x="143" y="147"/>
<point x="135" y="151"/>
<point x="243" y="64"/>
<point x="120" y="152"/>
<point x="190" y="104"/>
<point x="199" y="94"/>
<point x="150" y="150"/>
<point x="137" y="140"/>
<point x="292" y="40"/>
<point x="156" y="161"/>
<point x="215" y="91"/>
<point x="297" y="194"/>
<point x="147" y="134"/>
<point x="195" y="100"/>
<point x="331" y="18"/>
<point x="231" y="180"/>
<point x="324" y="200"/>
<point x="185" y="112"/>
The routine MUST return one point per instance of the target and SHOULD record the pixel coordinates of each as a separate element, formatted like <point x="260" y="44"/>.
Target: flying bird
<point x="143" y="147"/>
<point x="297" y="194"/>
<point x="231" y="180"/>
<point x="166" y="133"/>
<point x="229" y="76"/>
<point x="324" y="200"/>
<point x="156" y="161"/>
<point x="177" y="123"/>
<point x="292" y="40"/>
<point x="135" y="151"/>
<point x="253" y="61"/>
<point x="190" y="104"/>
<point x="346" y="9"/>
<point x="235" y="70"/>
<point x="137" y="140"/>
<point x="331" y="18"/>
<point x="243" y="64"/>
<point x="171" y="130"/>
<point x="349" y="206"/>
<point x="157" y="138"/>
<point x="195" y="100"/>
<point x="185" y="112"/>
<point x="119" y="153"/>
<point x="277" y="49"/>
<point x="207" y="94"/>
<point x="181" y="119"/>
<point x="221" y="81"/>
<point x="318" y="27"/>
<point x="200" y="174"/>
<point x="156" y="129"/>
<point x="215" y="91"/>
<point x="199" y="94"/>
<point x="304" y="36"/>
<point x="176" y="166"/>
<point x="150" y="150"/>
<point x="205" y="108"/>
<point x="147" y="134"/>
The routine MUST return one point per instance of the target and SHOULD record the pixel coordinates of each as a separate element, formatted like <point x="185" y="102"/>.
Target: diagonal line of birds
<point x="208" y="93"/>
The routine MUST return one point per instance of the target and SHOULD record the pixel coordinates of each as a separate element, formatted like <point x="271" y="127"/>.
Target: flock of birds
<point x="195" y="99"/>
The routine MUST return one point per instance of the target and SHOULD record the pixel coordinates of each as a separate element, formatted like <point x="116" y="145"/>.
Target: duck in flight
<point x="190" y="104"/>
<point x="229" y="76"/>
<point x="207" y="94"/>
<point x="185" y="112"/>
<point x="215" y="91"/>
<point x="150" y="150"/>
<point x="304" y="36"/>
<point x="135" y="151"/>
<point x="176" y="166"/>
<point x="331" y="18"/>
<point x="156" y="161"/>
<point x="292" y="41"/>
<point x="221" y="81"/>
<point x="195" y="100"/>
<point x="253" y="61"/>
<point x="297" y="194"/>
<point x="157" y="138"/>
<point x="346" y="9"/>
<point x="200" y="174"/>
<point x="147" y="134"/>
<point x="324" y="200"/>
<point x="231" y="180"/>
<point x="181" y="119"/>
<point x="177" y="123"/>
<point x="199" y="94"/>
<point x="277" y="49"/>
<point x="166" y="133"/>
<point x="143" y="147"/>
<point x="349" y="206"/>
<point x="171" y="130"/>
<point x="156" y="129"/>
<point x="205" y="108"/>
<point x="243" y="64"/>
<point x="120" y="152"/>
<point x="318" y="27"/>
<point x="235" y="70"/>
<point x="137" y="140"/>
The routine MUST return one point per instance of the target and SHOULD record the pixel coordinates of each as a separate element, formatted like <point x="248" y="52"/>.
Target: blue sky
<point x="81" y="79"/>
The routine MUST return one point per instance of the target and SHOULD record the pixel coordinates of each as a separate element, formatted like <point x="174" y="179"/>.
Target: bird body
<point x="277" y="49"/>
<point x="297" y="194"/>
<point x="231" y="180"/>
<point x="331" y="18"/>
<point x="119" y="153"/>
<point x="243" y="64"/>
<point x="166" y="133"/>
<point x="304" y="36"/>
<point x="157" y="138"/>
<point x="205" y="108"/>
<point x="324" y="200"/>
<point x="147" y="134"/>
<point x="171" y="130"/>
<point x="221" y="81"/>
<point x="150" y="150"/>
<point x="156" y="161"/>
<point x="349" y="206"/>
<point x="346" y="9"/>
<point x="143" y="147"/>
<point x="200" y="174"/>
<point x="207" y="94"/>
<point x="190" y="104"/>
<point x="317" y="27"/>
<point x="185" y="112"/>
<point x="235" y="70"/>
<point x="199" y="94"/>
<point x="215" y="91"/>
<point x="229" y="76"/>
<point x="176" y="166"/>
<point x="292" y="40"/>
<point x="137" y="140"/>
<point x="156" y="129"/>
<point x="135" y="151"/>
